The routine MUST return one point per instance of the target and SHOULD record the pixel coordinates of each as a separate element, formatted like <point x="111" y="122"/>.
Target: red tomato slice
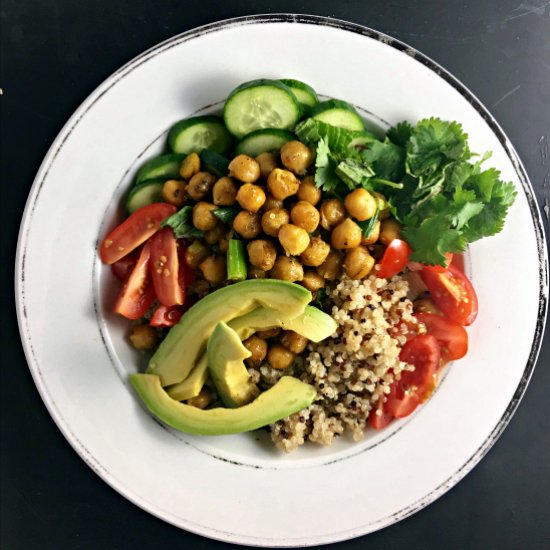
<point x="401" y="402"/>
<point x="138" y="293"/>
<point x="379" y="420"/>
<point x="165" y="268"/>
<point x="458" y="262"/>
<point x="122" y="269"/>
<point x="166" y="316"/>
<point x="453" y="294"/>
<point x="394" y="260"/>
<point x="451" y="337"/>
<point x="441" y="268"/>
<point x="134" y="231"/>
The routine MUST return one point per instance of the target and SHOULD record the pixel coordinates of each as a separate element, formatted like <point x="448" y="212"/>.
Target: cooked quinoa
<point x="352" y="368"/>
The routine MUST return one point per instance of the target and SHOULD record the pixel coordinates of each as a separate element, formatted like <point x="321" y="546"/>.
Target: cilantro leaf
<point x="182" y="224"/>
<point x="400" y="133"/>
<point x="311" y="131"/>
<point x="354" y="173"/>
<point x="386" y="159"/>
<point x="226" y="213"/>
<point x="325" y="168"/>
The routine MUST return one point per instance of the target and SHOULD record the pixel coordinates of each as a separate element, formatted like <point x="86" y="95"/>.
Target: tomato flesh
<point x="394" y="260"/>
<point x="401" y="402"/>
<point x="451" y="337"/>
<point x="379" y="420"/>
<point x="138" y="293"/>
<point x="166" y="316"/>
<point x="165" y="268"/>
<point x="453" y="293"/>
<point x="122" y="269"/>
<point x="133" y="231"/>
<point x="441" y="268"/>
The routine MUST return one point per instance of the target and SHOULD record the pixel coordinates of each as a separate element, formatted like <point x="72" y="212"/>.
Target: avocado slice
<point x="226" y="354"/>
<point x="313" y="323"/>
<point x="287" y="396"/>
<point x="192" y="385"/>
<point x="179" y="351"/>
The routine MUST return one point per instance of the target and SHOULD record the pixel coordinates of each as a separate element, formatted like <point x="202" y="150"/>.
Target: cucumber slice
<point x="192" y="135"/>
<point x="214" y="163"/>
<point x="262" y="141"/>
<point x="260" y="104"/>
<point x="305" y="94"/>
<point x="145" y="193"/>
<point x="165" y="166"/>
<point x="339" y="114"/>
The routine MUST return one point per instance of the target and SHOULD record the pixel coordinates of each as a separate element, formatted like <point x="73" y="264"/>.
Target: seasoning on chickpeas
<point x="258" y="348"/>
<point x="214" y="269"/>
<point x="287" y="269"/>
<point x="282" y="183"/>
<point x="312" y="281"/>
<point x="262" y="253"/>
<point x="372" y="237"/>
<point x="293" y="239"/>
<point x="305" y="215"/>
<point x="293" y="341"/>
<point x="200" y="185"/>
<point x="272" y="202"/>
<point x="202" y="400"/>
<point x="390" y="229"/>
<point x="195" y="254"/>
<point x="308" y="191"/>
<point x="267" y="162"/>
<point x="190" y="166"/>
<point x="244" y="168"/>
<point x="346" y="235"/>
<point x="360" y="204"/>
<point x="143" y="337"/>
<point x="358" y="263"/>
<point x="247" y="224"/>
<point x="251" y="197"/>
<point x="273" y="220"/>
<point x="332" y="213"/>
<point x="332" y="267"/>
<point x="296" y="157"/>
<point x="204" y="217"/>
<point x="256" y="273"/>
<point x="279" y="357"/>
<point x="224" y="192"/>
<point x="173" y="192"/>
<point x="316" y="252"/>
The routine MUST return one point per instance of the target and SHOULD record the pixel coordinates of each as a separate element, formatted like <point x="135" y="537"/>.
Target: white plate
<point x="235" y="488"/>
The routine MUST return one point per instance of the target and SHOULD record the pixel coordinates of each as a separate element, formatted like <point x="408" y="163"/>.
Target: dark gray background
<point x="54" y="53"/>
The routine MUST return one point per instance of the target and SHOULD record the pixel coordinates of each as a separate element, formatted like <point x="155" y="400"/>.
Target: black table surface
<point x="54" y="53"/>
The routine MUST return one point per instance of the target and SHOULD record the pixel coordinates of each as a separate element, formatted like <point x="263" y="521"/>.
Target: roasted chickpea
<point x="268" y="333"/>
<point x="287" y="269"/>
<point x="293" y="239"/>
<point x="346" y="235"/>
<point x="267" y="162"/>
<point x="282" y="183"/>
<point x="251" y="197"/>
<point x="332" y="267"/>
<point x="308" y="191"/>
<point x="224" y="192"/>
<point x="383" y="205"/>
<point x="173" y="192"/>
<point x="258" y="348"/>
<point x="273" y="220"/>
<point x="214" y="269"/>
<point x="358" y="263"/>
<point x="305" y="215"/>
<point x="316" y="252"/>
<point x="279" y="357"/>
<point x="143" y="337"/>
<point x="332" y="213"/>
<point x="372" y="237"/>
<point x="247" y="224"/>
<point x="389" y="229"/>
<point x="200" y="185"/>
<point x="293" y="341"/>
<point x="203" y="216"/>
<point x="296" y="157"/>
<point x="202" y="400"/>
<point x="426" y="305"/>
<point x="223" y="245"/>
<point x="312" y="281"/>
<point x="190" y="166"/>
<point x="256" y="273"/>
<point x="272" y="202"/>
<point x="195" y="254"/>
<point x="214" y="235"/>
<point x="360" y="205"/>
<point x="244" y="168"/>
<point x="261" y="253"/>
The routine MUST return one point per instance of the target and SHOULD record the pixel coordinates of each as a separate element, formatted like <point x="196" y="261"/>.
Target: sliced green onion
<point x="236" y="261"/>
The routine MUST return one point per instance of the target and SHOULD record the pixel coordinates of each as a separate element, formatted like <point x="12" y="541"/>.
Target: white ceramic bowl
<point x="238" y="488"/>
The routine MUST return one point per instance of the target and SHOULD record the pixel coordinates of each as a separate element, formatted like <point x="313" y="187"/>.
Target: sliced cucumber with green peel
<point x="165" y="166"/>
<point x="305" y="94"/>
<point x="192" y="135"/>
<point x="339" y="114"/>
<point x="262" y="141"/>
<point x="261" y="104"/>
<point x="214" y="163"/>
<point x="145" y="193"/>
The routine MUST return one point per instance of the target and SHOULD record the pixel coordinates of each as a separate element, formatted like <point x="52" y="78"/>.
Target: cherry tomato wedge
<point x="458" y="262"/>
<point x="451" y="337"/>
<point x="379" y="417"/>
<point x="122" y="269"/>
<point x="166" y="316"/>
<point x="138" y="293"/>
<point x="441" y="268"/>
<point x="401" y="401"/>
<point x="165" y="268"/>
<point x="134" y="231"/>
<point x="453" y="294"/>
<point x="396" y="257"/>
